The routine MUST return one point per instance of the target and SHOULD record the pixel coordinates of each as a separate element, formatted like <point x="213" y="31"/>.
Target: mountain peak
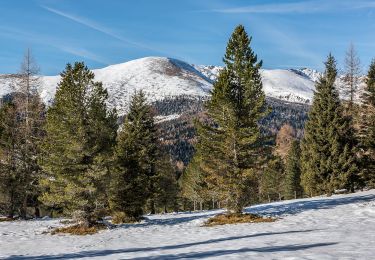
<point x="161" y="77"/>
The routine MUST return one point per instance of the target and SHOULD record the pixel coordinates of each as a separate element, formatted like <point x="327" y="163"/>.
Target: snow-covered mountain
<point x="161" y="77"/>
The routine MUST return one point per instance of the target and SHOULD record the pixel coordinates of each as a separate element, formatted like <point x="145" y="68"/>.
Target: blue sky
<point x="286" y="34"/>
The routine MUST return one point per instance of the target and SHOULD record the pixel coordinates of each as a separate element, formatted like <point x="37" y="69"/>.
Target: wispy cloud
<point x="300" y="7"/>
<point x="81" y="52"/>
<point x="33" y="37"/>
<point x="98" y="27"/>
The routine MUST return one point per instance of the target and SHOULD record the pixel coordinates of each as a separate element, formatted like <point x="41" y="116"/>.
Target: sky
<point x="285" y="34"/>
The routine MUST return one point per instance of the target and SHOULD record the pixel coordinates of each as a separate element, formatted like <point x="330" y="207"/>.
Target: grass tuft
<point x="236" y="218"/>
<point x="79" y="230"/>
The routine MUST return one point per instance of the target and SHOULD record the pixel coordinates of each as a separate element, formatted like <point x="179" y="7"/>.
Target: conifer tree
<point x="293" y="188"/>
<point x="193" y="182"/>
<point x="328" y="146"/>
<point x="11" y="190"/>
<point x="135" y="158"/>
<point x="23" y="114"/>
<point x="166" y="186"/>
<point x="231" y="146"/>
<point x="367" y="128"/>
<point x="273" y="178"/>
<point x="80" y="135"/>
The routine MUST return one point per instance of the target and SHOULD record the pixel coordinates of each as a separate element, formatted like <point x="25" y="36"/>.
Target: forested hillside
<point x="178" y="135"/>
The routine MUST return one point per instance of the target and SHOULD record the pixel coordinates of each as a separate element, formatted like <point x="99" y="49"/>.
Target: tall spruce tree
<point x="292" y="187"/>
<point x="231" y="146"/>
<point x="328" y="146"/>
<point x="135" y="158"/>
<point x="80" y="135"/>
<point x="367" y="128"/>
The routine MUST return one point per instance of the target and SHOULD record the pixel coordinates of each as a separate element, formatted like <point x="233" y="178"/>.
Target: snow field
<point x="337" y="227"/>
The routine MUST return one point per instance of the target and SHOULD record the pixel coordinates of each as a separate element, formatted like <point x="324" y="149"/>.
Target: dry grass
<point x="7" y="219"/>
<point x="79" y="230"/>
<point x="233" y="218"/>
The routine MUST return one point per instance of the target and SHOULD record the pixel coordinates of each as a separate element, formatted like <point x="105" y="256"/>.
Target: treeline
<point x="236" y="162"/>
<point x="73" y="159"/>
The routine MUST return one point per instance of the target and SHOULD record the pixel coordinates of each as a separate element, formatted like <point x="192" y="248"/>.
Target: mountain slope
<point x="161" y="77"/>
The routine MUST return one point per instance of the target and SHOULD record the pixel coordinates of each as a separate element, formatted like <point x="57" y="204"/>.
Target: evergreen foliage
<point x="11" y="186"/>
<point x="80" y="135"/>
<point x="231" y="144"/>
<point x="135" y="160"/>
<point x="293" y="188"/>
<point x="367" y="128"/>
<point x="328" y="146"/>
<point x="272" y="180"/>
<point x="166" y="186"/>
<point x="192" y="181"/>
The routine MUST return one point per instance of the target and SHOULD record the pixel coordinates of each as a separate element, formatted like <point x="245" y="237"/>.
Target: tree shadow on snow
<point x="216" y="253"/>
<point x="299" y="206"/>
<point x="108" y="252"/>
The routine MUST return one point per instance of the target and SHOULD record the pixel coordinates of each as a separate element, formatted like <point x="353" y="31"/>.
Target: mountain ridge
<point x="162" y="77"/>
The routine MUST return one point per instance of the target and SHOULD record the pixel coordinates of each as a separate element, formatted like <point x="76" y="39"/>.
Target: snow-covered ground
<point x="338" y="227"/>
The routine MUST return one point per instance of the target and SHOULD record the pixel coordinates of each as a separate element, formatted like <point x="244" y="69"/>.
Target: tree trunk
<point x="152" y="206"/>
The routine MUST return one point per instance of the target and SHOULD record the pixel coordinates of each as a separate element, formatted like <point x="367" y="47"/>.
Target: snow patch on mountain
<point x="161" y="77"/>
<point x="289" y="85"/>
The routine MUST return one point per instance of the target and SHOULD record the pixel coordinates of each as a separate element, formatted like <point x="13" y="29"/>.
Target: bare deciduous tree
<point x="352" y="74"/>
<point x="23" y="122"/>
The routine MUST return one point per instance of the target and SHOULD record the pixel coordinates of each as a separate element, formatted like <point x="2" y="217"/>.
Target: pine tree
<point x="293" y="188"/>
<point x="193" y="182"/>
<point x="231" y="145"/>
<point x="11" y="190"/>
<point x="272" y="180"/>
<point x="166" y="186"/>
<point x="80" y="135"/>
<point x="328" y="146"/>
<point x="134" y="170"/>
<point x="367" y="128"/>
